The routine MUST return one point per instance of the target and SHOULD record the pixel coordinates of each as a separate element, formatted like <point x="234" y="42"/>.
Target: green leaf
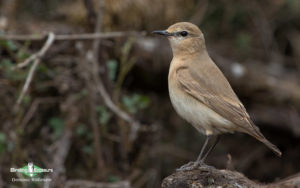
<point x="135" y="102"/>
<point x="84" y="92"/>
<point x="8" y="44"/>
<point x="112" y="66"/>
<point x="22" y="55"/>
<point x="113" y="179"/>
<point x="81" y="130"/>
<point x="143" y="102"/>
<point x="26" y="99"/>
<point x="88" y="149"/>
<point x="10" y="146"/>
<point x="129" y="103"/>
<point x="57" y="124"/>
<point x="2" y="142"/>
<point x="6" y="65"/>
<point x="243" y="41"/>
<point x="2" y="137"/>
<point x="104" y="115"/>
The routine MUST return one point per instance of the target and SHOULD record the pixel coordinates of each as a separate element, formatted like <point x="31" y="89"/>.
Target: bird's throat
<point x="189" y="47"/>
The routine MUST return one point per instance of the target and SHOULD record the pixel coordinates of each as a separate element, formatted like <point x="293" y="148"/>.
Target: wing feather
<point x="231" y="110"/>
<point x="225" y="104"/>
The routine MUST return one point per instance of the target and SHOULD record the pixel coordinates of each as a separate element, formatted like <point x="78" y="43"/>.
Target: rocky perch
<point x="206" y="176"/>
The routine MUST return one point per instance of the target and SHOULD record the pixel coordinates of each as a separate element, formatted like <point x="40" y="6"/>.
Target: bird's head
<point x="185" y="38"/>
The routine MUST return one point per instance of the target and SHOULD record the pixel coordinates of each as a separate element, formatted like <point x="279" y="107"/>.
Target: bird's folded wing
<point x="227" y="107"/>
<point x="225" y="104"/>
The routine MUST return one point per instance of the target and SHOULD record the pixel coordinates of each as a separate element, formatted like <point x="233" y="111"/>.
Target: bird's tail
<point x="259" y="136"/>
<point x="270" y="145"/>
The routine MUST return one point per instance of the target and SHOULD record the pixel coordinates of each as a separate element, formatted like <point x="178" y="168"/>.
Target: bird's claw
<point x="190" y="166"/>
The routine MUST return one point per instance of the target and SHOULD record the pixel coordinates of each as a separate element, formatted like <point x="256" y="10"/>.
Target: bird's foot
<point x="192" y="165"/>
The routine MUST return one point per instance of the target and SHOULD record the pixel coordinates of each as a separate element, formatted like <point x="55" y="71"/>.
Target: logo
<point x="31" y="171"/>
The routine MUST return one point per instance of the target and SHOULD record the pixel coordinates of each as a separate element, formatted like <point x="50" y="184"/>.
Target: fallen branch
<point x="83" y="36"/>
<point x="37" y="58"/>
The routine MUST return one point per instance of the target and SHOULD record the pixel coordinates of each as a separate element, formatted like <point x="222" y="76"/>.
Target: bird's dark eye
<point x="183" y="33"/>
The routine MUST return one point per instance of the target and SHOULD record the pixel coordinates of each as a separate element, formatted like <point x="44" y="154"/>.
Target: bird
<point x="201" y="94"/>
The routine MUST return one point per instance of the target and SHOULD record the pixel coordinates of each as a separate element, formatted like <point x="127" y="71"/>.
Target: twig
<point x="34" y="107"/>
<point x="97" y="142"/>
<point x="101" y="89"/>
<point x="87" y="184"/>
<point x="83" y="36"/>
<point x="135" y="125"/>
<point x="26" y="62"/>
<point x="85" y="72"/>
<point x="37" y="59"/>
<point x="60" y="154"/>
<point x="59" y="150"/>
<point x="90" y="12"/>
<point x="126" y="64"/>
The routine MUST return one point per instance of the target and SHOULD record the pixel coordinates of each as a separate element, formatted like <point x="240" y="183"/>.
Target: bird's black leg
<point x="218" y="137"/>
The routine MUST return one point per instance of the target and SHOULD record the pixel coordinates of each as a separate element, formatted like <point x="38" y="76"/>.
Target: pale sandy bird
<point x="199" y="91"/>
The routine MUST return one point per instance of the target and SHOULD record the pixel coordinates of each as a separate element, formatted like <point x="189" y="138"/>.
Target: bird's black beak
<point x="162" y="32"/>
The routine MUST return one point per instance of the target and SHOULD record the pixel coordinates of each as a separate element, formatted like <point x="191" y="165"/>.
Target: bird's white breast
<point x="199" y="115"/>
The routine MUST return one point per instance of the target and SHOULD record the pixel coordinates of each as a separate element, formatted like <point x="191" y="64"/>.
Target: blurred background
<point x="63" y="122"/>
